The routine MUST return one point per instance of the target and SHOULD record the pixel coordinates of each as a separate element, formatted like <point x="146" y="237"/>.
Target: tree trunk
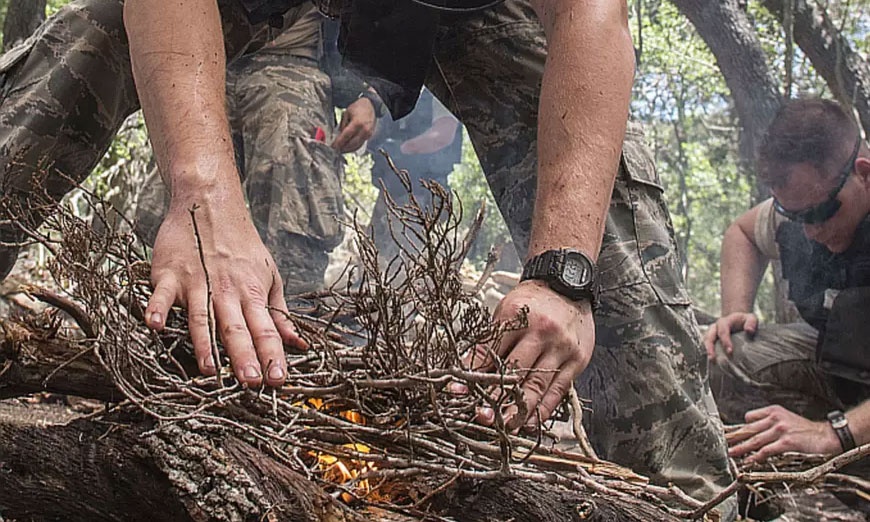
<point x="844" y="70"/>
<point x="728" y="33"/>
<point x="22" y="18"/>
<point x="93" y="473"/>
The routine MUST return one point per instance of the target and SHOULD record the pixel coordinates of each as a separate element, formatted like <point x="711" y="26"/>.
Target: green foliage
<point x="359" y="193"/>
<point x="53" y="5"/>
<point x="685" y="106"/>
<point x="469" y="183"/>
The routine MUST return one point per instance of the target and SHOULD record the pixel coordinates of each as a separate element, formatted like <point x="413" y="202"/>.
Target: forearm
<point x="583" y="110"/>
<point x="180" y="68"/>
<point x="859" y="422"/>
<point x="741" y="269"/>
<point x="437" y="137"/>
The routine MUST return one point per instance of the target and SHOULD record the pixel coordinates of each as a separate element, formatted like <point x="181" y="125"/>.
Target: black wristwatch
<point x="378" y="104"/>
<point x="568" y="272"/>
<point x="840" y="424"/>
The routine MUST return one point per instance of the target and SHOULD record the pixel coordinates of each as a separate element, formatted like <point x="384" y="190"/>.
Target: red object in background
<point x="319" y="135"/>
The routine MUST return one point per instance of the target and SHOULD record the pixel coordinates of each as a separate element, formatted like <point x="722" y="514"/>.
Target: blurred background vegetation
<point x="710" y="74"/>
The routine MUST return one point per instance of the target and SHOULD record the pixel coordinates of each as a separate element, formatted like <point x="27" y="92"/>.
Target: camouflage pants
<point x="65" y="92"/>
<point x="652" y="408"/>
<point x="778" y="366"/>
<point x="275" y="103"/>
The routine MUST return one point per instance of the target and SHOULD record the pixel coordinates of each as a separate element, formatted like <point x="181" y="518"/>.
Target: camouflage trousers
<point x="652" y="408"/>
<point x="778" y="366"/>
<point x="65" y="92"/>
<point x="292" y="181"/>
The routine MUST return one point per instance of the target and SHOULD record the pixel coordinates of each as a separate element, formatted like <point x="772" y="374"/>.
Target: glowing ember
<point x="342" y="470"/>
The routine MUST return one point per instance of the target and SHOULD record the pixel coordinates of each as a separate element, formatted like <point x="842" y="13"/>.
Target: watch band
<point x="378" y="104"/>
<point x="548" y="266"/>
<point x="840" y="424"/>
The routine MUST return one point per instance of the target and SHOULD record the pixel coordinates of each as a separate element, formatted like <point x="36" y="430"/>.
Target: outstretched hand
<point x="550" y="353"/>
<point x="247" y="299"/>
<point x="774" y="430"/>
<point x="722" y="329"/>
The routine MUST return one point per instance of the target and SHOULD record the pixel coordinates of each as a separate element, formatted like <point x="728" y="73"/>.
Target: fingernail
<point x="156" y="318"/>
<point x="486" y="415"/>
<point x="276" y="373"/>
<point x="208" y="363"/>
<point x="252" y="372"/>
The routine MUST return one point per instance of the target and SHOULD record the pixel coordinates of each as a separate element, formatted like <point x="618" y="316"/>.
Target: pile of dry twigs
<point x="375" y="391"/>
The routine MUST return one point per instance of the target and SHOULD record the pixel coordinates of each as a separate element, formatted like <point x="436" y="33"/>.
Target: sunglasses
<point x="826" y="209"/>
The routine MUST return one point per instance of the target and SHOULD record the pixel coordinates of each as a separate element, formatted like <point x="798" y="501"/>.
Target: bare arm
<point x="859" y="422"/>
<point x="583" y="112"/>
<point x="742" y="266"/>
<point x="179" y="69"/>
<point x="440" y="135"/>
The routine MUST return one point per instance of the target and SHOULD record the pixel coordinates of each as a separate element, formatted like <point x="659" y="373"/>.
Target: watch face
<point x="576" y="271"/>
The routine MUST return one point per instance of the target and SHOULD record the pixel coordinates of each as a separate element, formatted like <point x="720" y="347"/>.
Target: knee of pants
<point x="301" y="262"/>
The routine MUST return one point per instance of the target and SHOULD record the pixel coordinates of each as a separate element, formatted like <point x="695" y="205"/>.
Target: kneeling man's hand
<point x="774" y="430"/>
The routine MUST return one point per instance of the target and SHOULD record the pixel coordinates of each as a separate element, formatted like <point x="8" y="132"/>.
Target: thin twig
<point x="215" y="353"/>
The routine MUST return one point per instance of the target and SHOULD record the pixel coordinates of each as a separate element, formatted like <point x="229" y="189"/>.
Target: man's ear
<point x="862" y="170"/>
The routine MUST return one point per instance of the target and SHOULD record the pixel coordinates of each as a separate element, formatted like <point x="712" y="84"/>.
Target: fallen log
<point x="123" y="466"/>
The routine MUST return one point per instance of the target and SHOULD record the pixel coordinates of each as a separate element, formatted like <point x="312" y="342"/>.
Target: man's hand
<point x="437" y="137"/>
<point x="774" y="430"/>
<point x="551" y="352"/>
<point x="244" y="281"/>
<point x="357" y="125"/>
<point x="722" y="329"/>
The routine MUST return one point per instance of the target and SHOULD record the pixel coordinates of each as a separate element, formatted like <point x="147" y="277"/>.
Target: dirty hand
<point x="357" y="125"/>
<point x="722" y="329"/>
<point x="774" y="430"/>
<point x="244" y="282"/>
<point x="552" y="351"/>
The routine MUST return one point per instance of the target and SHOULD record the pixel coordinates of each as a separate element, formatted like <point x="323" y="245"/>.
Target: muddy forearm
<point x="180" y="69"/>
<point x="583" y="111"/>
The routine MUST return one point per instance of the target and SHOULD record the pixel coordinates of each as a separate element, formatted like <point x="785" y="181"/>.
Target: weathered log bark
<point x="69" y="473"/>
<point x="833" y="57"/>
<point x="524" y="501"/>
<point x="22" y="18"/>
<point x="91" y="472"/>
<point x="99" y="472"/>
<point x="30" y="365"/>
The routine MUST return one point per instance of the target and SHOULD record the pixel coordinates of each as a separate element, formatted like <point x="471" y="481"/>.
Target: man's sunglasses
<point x="826" y="209"/>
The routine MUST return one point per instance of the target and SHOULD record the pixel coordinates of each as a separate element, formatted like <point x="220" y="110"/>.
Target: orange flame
<point x="342" y="470"/>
